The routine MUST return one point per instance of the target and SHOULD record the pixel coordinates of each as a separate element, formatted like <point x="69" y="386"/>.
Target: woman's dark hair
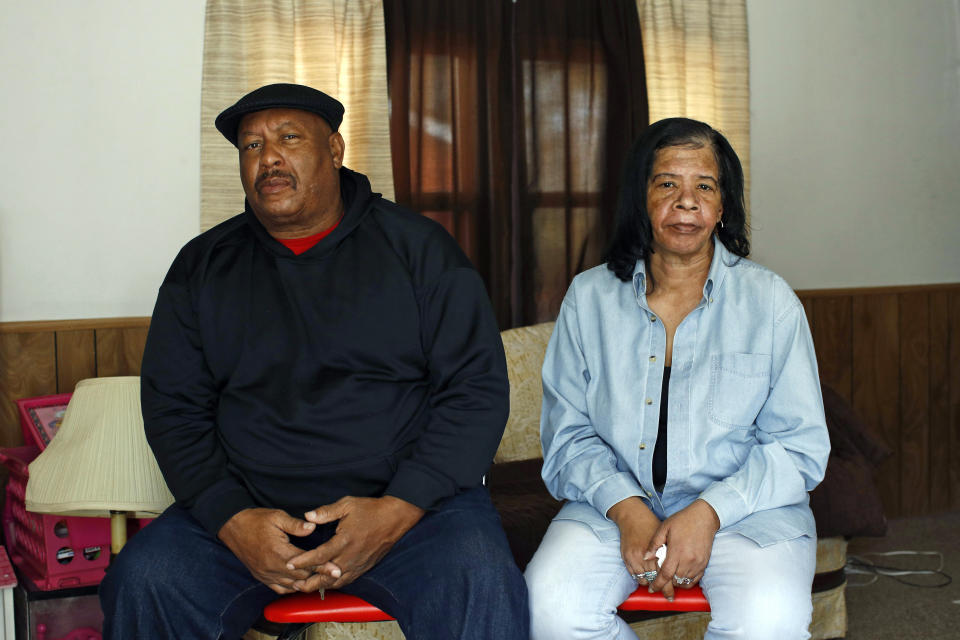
<point x="633" y="234"/>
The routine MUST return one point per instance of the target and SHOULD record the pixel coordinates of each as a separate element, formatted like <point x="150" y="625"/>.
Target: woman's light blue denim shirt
<point x="745" y="417"/>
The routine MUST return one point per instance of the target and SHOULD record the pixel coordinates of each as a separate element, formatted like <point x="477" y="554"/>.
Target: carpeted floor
<point x="889" y="609"/>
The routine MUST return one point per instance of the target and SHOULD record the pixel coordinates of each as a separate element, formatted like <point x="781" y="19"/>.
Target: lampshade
<point x="99" y="460"/>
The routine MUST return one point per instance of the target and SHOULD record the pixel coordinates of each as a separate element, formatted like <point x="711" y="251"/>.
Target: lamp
<point x="100" y="464"/>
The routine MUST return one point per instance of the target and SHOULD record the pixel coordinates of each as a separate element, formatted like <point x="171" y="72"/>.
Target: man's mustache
<point x="275" y="173"/>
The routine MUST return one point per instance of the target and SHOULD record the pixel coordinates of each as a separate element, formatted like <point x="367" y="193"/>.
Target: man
<point x="324" y="387"/>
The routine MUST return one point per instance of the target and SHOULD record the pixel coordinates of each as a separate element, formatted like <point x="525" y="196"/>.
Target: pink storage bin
<point x="52" y="551"/>
<point x="86" y="633"/>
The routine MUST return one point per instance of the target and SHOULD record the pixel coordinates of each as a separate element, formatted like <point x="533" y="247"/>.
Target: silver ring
<point x="649" y="576"/>
<point x="682" y="580"/>
<point x="637" y="576"/>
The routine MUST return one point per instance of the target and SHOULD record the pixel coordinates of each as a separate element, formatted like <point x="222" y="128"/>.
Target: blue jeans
<point x="451" y="576"/>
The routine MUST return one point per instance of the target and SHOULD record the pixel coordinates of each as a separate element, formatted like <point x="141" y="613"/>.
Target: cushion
<point x="524" y="348"/>
<point x="849" y="435"/>
<point x="847" y="502"/>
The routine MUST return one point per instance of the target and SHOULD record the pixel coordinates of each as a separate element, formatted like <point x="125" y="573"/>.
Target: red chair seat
<point x="341" y="607"/>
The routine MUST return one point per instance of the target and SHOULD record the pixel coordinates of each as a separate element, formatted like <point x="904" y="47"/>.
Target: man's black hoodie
<point x="370" y="364"/>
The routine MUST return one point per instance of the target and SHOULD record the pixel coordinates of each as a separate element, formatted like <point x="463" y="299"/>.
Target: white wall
<point x="99" y="169"/>
<point x="855" y="140"/>
<point x="855" y="116"/>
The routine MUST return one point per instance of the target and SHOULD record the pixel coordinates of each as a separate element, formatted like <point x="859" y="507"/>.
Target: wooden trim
<point x="875" y="291"/>
<point x="39" y="326"/>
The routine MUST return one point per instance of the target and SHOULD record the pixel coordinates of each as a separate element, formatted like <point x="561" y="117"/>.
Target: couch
<point x="526" y="509"/>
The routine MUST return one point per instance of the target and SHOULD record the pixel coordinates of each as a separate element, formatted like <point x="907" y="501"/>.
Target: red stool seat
<point x="334" y="606"/>
<point x="341" y="607"/>
<point x="683" y="600"/>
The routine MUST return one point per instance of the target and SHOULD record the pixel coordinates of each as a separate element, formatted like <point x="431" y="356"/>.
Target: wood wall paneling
<point x="27" y="368"/>
<point x="808" y="309"/>
<point x="833" y="329"/>
<point x="48" y="357"/>
<point x="954" y="399"/>
<point x="119" y="351"/>
<point x="76" y="358"/>
<point x="914" y="403"/>
<point x="939" y="432"/>
<point x="905" y="378"/>
<point x="876" y="383"/>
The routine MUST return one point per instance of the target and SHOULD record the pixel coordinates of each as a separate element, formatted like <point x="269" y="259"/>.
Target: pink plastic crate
<point x="40" y="417"/>
<point x="54" y="552"/>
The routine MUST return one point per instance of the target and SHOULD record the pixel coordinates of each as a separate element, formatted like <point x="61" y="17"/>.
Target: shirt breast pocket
<point x="739" y="385"/>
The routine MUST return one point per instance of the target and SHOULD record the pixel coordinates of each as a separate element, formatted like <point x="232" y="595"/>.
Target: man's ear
<point x="336" y="148"/>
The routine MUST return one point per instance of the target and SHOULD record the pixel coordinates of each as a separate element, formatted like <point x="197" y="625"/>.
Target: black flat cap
<point x="279" y="96"/>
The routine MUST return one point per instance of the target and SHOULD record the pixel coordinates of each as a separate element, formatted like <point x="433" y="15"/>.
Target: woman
<point x="681" y="407"/>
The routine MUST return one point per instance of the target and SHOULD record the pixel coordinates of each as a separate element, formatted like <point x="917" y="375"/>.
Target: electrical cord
<point x="862" y="565"/>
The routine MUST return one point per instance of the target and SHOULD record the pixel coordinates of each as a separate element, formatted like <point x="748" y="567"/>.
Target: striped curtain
<point x="697" y="63"/>
<point x="337" y="46"/>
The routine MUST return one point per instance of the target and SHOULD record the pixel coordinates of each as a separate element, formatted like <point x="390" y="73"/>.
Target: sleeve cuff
<point x="727" y="502"/>
<point x="614" y="489"/>
<point x="418" y="486"/>
<point x="214" y="508"/>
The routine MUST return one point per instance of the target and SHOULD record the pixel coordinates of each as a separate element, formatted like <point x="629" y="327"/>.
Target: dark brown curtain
<point x="509" y="123"/>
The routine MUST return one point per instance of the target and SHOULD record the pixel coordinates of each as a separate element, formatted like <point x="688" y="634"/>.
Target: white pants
<point x="576" y="581"/>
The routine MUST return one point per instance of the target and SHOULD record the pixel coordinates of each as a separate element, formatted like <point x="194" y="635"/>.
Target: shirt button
<point x="643" y="445"/>
<point x="653" y="358"/>
<point x="649" y="495"/>
<point x="649" y="401"/>
<point x="711" y="298"/>
<point x="653" y="318"/>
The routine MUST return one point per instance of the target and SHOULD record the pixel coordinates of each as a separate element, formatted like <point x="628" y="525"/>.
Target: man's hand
<point x="688" y="535"/>
<point x="260" y="539"/>
<point x="637" y="525"/>
<point x="368" y="529"/>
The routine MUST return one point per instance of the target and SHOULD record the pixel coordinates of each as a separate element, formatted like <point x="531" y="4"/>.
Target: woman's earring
<point x="720" y="222"/>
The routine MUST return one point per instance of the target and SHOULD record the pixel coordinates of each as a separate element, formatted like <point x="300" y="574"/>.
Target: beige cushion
<point x="525" y="348"/>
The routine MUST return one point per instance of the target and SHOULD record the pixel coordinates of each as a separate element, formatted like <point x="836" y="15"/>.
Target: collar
<point x="719" y="265"/>
<point x="357" y="200"/>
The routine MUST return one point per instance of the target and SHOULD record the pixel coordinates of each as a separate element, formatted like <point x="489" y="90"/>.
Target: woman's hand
<point x="688" y="535"/>
<point x="637" y="525"/>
